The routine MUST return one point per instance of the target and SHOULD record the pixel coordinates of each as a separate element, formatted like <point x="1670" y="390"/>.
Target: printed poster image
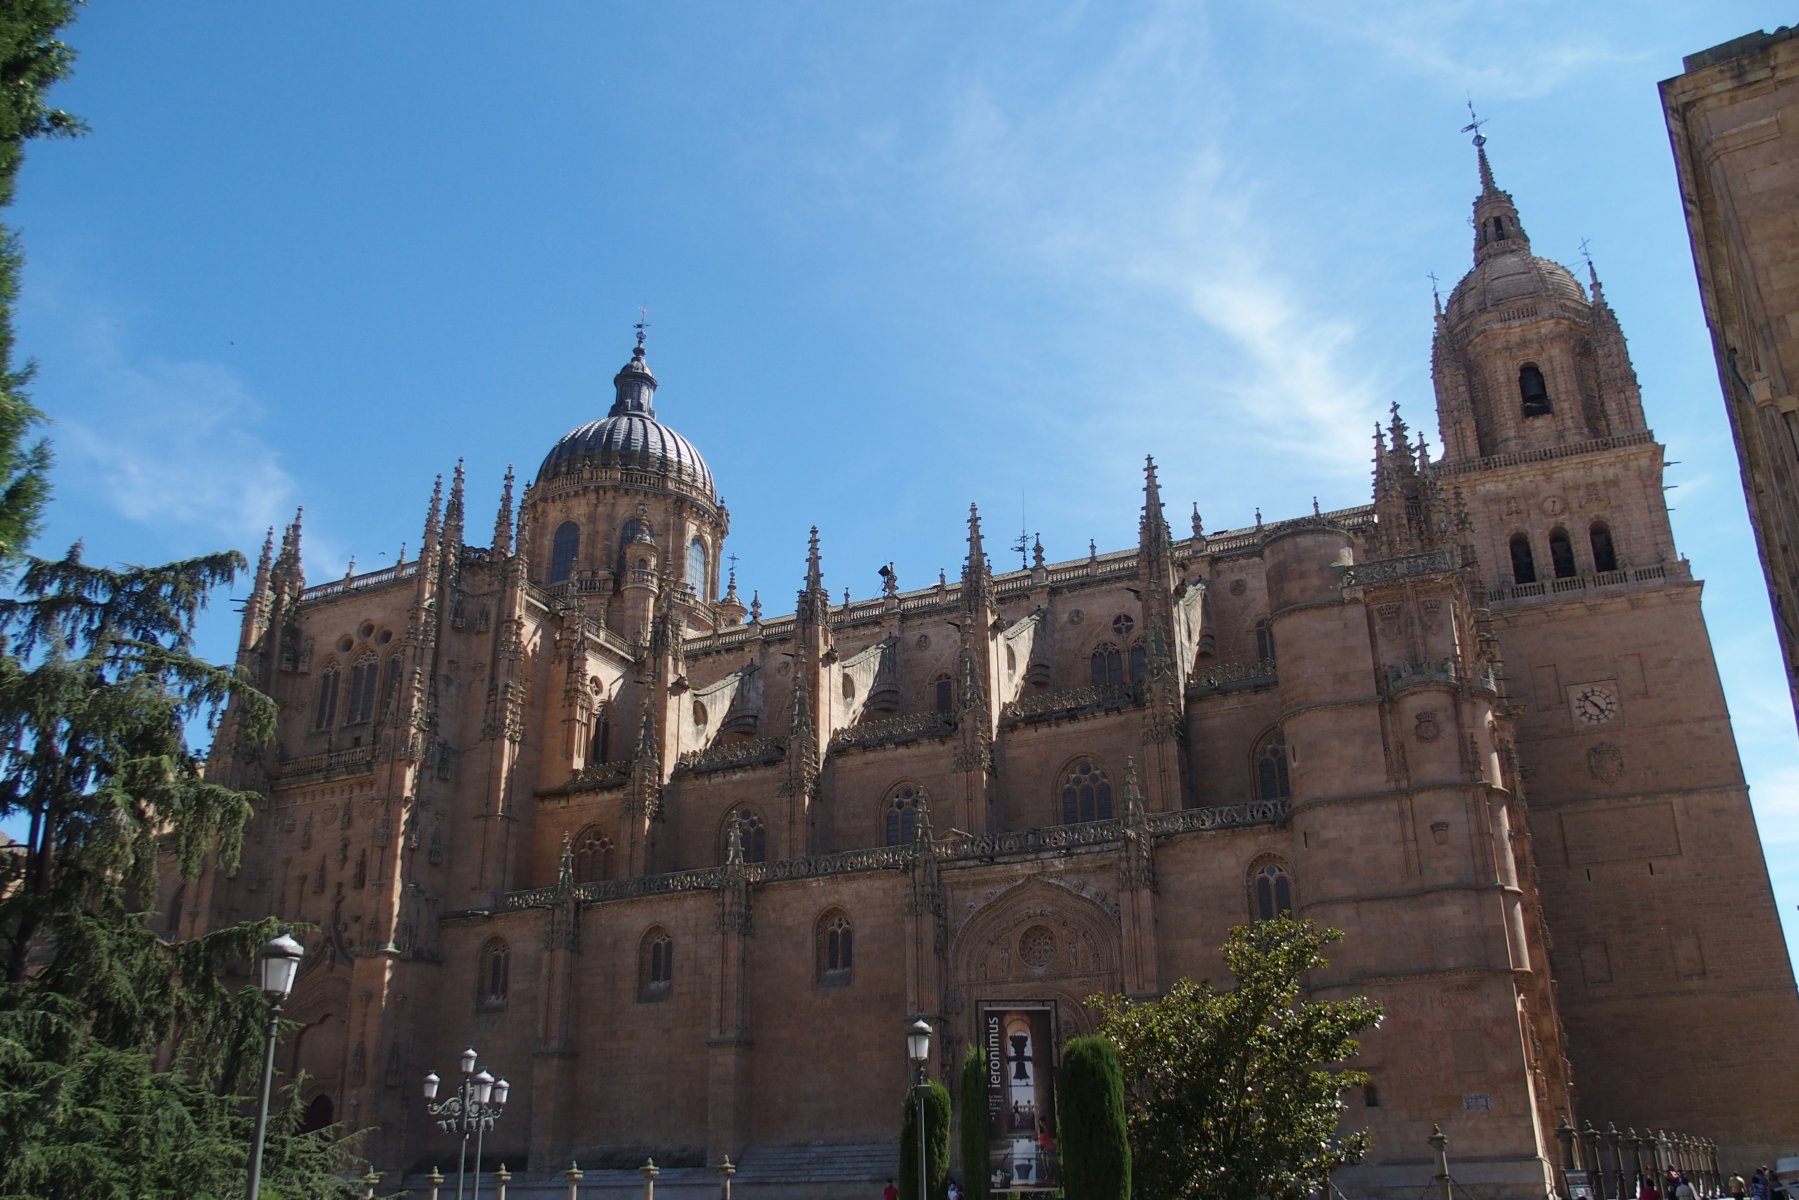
<point x="1021" y="1098"/>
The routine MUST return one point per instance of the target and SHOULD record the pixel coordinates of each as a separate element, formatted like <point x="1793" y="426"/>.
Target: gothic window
<point x="945" y="691"/>
<point x="752" y="830"/>
<point x="363" y="678"/>
<point x="1272" y="779"/>
<point x="1108" y="666"/>
<point x="1605" y="557"/>
<point x="593" y="856"/>
<point x="1271" y="892"/>
<point x="1524" y="564"/>
<point x="834" y="948"/>
<point x="1561" y="554"/>
<point x="327" y="698"/>
<point x="1122" y="626"/>
<point x="496" y="970"/>
<point x="1139" y="663"/>
<point x="601" y="748"/>
<point x="656" y="965"/>
<point x="1264" y="639"/>
<point x="1533" y="391"/>
<point x="696" y="566"/>
<point x="901" y="815"/>
<point x="563" y="548"/>
<point x="1086" y="793"/>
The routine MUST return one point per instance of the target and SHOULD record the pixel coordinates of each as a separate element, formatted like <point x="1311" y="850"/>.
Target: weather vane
<point x="1474" y="124"/>
<point x="643" y="323"/>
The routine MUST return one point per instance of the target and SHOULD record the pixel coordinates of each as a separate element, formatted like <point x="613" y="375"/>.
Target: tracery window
<point x="944" y="689"/>
<point x="1524" y="563"/>
<point x="1271" y="892"/>
<point x="752" y="831"/>
<point x="1108" y="666"/>
<point x="1605" y="556"/>
<point x="696" y="566"/>
<point x="901" y="816"/>
<point x="1086" y="793"/>
<point x="834" y="948"/>
<point x="1561" y="553"/>
<point x="1272" y="779"/>
<point x="656" y="965"/>
<point x="593" y="856"/>
<point x="1533" y="391"/>
<point x="496" y="973"/>
<point x="327" y="709"/>
<point x="363" y="679"/>
<point x="563" y="549"/>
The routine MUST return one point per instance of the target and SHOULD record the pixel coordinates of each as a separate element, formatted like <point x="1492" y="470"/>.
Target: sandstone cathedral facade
<point x="684" y="871"/>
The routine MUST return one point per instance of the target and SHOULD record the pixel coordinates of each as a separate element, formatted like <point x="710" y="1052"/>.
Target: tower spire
<point x="1497" y="229"/>
<point x="502" y="522"/>
<point x="634" y="386"/>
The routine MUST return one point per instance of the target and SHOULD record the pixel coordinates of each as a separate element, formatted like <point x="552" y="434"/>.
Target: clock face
<point x="1596" y="705"/>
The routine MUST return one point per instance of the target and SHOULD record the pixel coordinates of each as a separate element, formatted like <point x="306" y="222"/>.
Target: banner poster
<point x="1021" y="1097"/>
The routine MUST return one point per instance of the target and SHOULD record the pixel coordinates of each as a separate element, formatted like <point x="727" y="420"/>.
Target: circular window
<point x="366" y="631"/>
<point x="344" y="643"/>
<point x="699" y="713"/>
<point x="1037" y="947"/>
<point x="849" y="688"/>
<point x="386" y="636"/>
<point x="1122" y="625"/>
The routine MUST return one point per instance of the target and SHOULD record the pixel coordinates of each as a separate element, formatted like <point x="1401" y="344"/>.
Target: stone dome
<point x="629" y="436"/>
<point x="1507" y="278"/>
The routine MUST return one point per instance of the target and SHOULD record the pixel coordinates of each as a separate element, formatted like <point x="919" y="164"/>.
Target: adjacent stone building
<point x="1733" y="118"/>
<point x="685" y="871"/>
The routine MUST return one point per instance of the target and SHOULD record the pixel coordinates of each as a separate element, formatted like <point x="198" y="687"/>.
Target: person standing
<point x="890" y="1192"/>
<point x="1738" y="1188"/>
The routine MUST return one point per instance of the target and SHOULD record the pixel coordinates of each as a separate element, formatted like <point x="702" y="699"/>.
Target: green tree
<point x="1233" y="1095"/>
<point x="937" y="1119"/>
<point x="1091" y="1134"/>
<point x="974" y="1124"/>
<point x="32" y="59"/>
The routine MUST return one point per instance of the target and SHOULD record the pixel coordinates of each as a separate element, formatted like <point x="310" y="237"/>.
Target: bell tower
<point x="1639" y="816"/>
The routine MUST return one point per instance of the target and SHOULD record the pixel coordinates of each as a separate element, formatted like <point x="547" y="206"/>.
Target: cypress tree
<point x="937" y="1121"/>
<point x="1096" y="1151"/>
<point x="974" y="1124"/>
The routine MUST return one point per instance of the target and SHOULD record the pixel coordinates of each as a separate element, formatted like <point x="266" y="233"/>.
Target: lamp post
<point x="279" y="963"/>
<point x="471" y="1109"/>
<point x="918" y="1049"/>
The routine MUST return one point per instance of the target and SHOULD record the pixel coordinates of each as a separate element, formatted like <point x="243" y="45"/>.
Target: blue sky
<point x="897" y="258"/>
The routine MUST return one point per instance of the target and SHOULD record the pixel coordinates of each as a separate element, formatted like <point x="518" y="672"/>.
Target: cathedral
<point x="684" y="871"/>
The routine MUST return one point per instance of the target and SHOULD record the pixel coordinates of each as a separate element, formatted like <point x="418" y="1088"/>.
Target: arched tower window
<point x="1270" y="891"/>
<point x="753" y="831"/>
<point x="563" y="548"/>
<point x="1273" y="782"/>
<point x="364" y="677"/>
<point x="1605" y="557"/>
<point x="1085" y="792"/>
<point x="834" y="947"/>
<point x="1108" y="666"/>
<point x="944" y="693"/>
<point x="900" y="818"/>
<point x="696" y="567"/>
<point x="1533" y="391"/>
<point x="1524" y="564"/>
<point x="656" y="965"/>
<point x="1561" y="554"/>
<point x="1499" y="229"/>
<point x="1264" y="639"/>
<point x="593" y="856"/>
<point x="496" y="973"/>
<point x="327" y="709"/>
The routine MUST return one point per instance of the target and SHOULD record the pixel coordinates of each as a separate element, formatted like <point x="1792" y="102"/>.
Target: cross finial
<point x="1474" y="124"/>
<point x="643" y="324"/>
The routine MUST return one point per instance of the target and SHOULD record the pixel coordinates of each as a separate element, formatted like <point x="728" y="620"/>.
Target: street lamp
<point x="471" y="1109"/>
<point x="918" y="1048"/>
<point x="279" y="963"/>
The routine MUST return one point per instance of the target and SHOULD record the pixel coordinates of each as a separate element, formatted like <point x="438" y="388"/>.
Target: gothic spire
<point x="976" y="566"/>
<point x="502" y="523"/>
<point x="453" y="512"/>
<point x="1497" y="229"/>
<point x="1153" y="527"/>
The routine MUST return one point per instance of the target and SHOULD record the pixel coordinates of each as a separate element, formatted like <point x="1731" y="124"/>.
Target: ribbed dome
<point x="629" y="436"/>
<point x="1508" y="278"/>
